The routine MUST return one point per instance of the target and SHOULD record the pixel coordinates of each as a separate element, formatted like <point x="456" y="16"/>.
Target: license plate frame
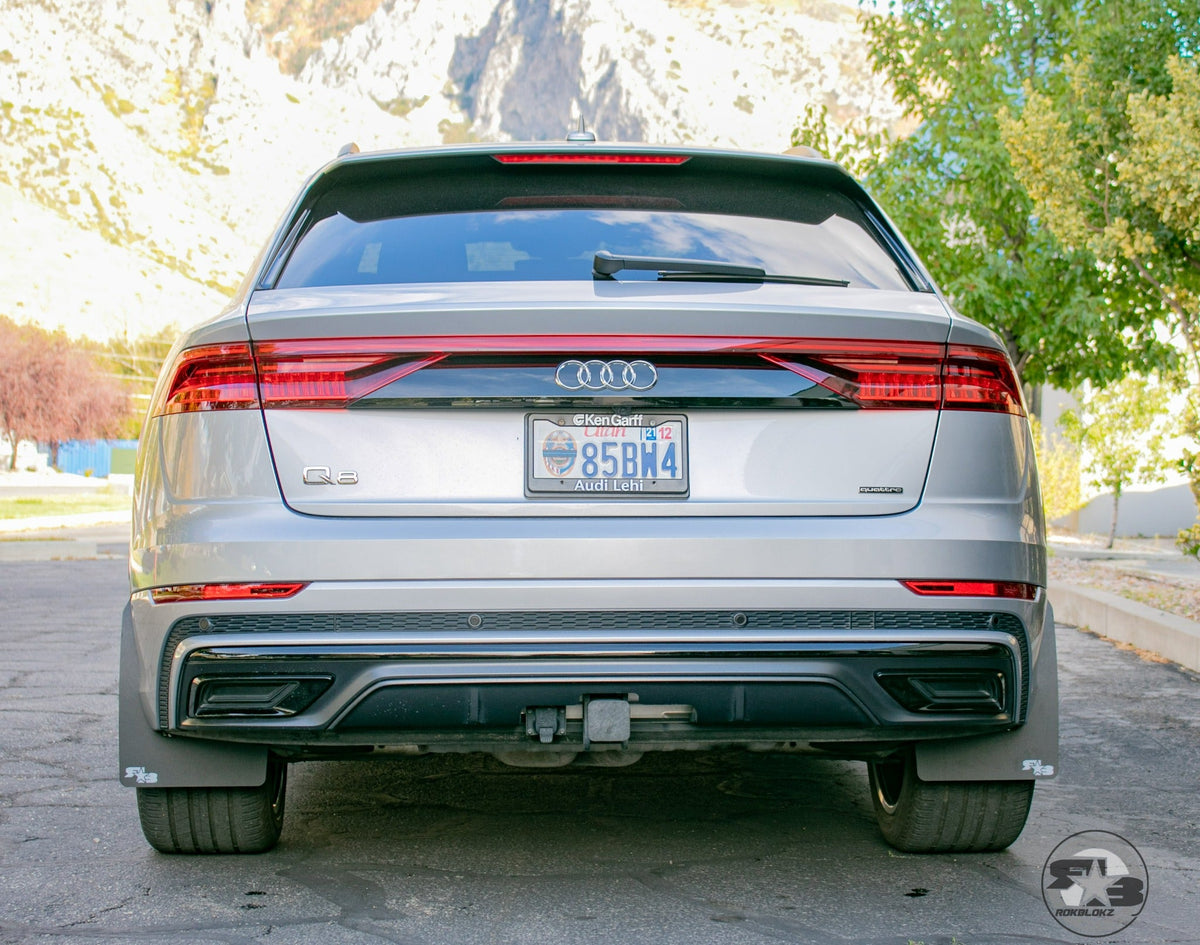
<point x="554" y="470"/>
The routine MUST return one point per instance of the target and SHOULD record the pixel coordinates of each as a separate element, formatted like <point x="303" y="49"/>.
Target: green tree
<point x="956" y="66"/>
<point x="1120" y="430"/>
<point x="1058" y="472"/>
<point x="1188" y="539"/>
<point x="1110" y="154"/>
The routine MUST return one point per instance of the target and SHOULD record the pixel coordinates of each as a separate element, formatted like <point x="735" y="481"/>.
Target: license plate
<point x="606" y="455"/>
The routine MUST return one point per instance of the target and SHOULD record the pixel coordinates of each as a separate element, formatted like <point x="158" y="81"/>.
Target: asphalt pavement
<point x="724" y="847"/>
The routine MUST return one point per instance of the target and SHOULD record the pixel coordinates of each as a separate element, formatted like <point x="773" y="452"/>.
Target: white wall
<point x="1162" y="511"/>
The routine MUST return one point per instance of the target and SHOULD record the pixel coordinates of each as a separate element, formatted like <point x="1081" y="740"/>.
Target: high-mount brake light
<point x="591" y="157"/>
<point x="1012" y="590"/>
<point x="211" y="377"/>
<point x="176" y="593"/>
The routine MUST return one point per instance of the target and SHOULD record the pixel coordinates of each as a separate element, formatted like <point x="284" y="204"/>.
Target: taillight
<point x="981" y="379"/>
<point x="336" y="372"/>
<point x="318" y="374"/>
<point x="1013" y="590"/>
<point x="211" y="377"/>
<point x="176" y="593"/>
<point x="890" y="375"/>
<point x="875" y="378"/>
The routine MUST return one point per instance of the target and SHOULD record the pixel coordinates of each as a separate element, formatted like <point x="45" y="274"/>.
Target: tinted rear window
<point x="547" y="224"/>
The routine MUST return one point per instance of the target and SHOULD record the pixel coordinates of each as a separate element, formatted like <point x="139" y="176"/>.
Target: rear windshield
<point x="494" y="228"/>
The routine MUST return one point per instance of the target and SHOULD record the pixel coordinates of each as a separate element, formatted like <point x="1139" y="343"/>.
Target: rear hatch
<point x="509" y="334"/>
<point x="433" y="410"/>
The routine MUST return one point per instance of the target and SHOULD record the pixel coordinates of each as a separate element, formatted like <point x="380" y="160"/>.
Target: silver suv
<point x="579" y="451"/>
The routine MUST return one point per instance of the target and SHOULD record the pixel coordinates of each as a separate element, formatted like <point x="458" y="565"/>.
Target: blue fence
<point x="99" y="458"/>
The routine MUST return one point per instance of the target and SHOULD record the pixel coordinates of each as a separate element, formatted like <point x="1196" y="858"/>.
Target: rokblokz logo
<point x="1095" y="883"/>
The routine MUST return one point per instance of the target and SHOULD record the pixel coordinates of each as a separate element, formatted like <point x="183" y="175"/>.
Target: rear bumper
<point x="651" y="603"/>
<point x="241" y="541"/>
<point x="430" y="681"/>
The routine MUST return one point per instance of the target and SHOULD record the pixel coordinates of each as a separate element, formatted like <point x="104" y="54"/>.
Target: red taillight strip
<point x="305" y="373"/>
<point x="1014" y="590"/>
<point x="896" y="375"/>
<point x="329" y="379"/>
<point x="335" y="372"/>
<point x="888" y="382"/>
<point x="176" y="593"/>
<point x="211" y="377"/>
<point x="586" y="157"/>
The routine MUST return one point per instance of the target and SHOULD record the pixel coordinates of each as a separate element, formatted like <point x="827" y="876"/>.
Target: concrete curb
<point x="1174" y="638"/>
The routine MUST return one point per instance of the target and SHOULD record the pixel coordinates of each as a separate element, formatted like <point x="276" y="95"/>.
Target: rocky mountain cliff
<point x="147" y="146"/>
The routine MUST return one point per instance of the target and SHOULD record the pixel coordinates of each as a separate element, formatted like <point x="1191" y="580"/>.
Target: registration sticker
<point x="606" y="454"/>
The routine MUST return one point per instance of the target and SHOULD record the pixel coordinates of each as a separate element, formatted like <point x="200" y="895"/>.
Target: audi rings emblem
<point x="606" y="375"/>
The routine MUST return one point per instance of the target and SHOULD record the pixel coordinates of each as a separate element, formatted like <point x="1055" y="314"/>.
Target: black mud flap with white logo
<point x="1024" y="754"/>
<point x="148" y="758"/>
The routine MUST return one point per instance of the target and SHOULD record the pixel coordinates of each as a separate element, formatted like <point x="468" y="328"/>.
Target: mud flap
<point x="1030" y="752"/>
<point x="147" y="758"/>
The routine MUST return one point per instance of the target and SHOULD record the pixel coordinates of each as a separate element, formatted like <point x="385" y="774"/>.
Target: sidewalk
<point x="90" y="535"/>
<point x="49" y="483"/>
<point x="1116" y="616"/>
<point x="100" y="534"/>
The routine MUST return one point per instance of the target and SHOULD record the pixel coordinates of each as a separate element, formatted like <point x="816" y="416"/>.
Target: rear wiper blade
<point x="709" y="276"/>
<point x="604" y="264"/>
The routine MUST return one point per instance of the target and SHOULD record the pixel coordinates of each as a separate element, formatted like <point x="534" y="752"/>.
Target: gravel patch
<point x="1179" y="596"/>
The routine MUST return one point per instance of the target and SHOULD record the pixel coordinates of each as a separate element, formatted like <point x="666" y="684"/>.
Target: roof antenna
<point x="582" y="134"/>
<point x="346" y="149"/>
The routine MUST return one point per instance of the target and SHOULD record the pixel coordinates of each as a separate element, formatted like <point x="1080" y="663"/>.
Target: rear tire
<point x="215" y="820"/>
<point x="945" y="817"/>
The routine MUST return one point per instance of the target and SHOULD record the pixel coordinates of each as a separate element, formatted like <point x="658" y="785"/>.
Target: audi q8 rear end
<point x="553" y="451"/>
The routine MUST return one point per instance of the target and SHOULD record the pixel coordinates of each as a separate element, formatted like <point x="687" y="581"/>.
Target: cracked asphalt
<point x="704" y="848"/>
